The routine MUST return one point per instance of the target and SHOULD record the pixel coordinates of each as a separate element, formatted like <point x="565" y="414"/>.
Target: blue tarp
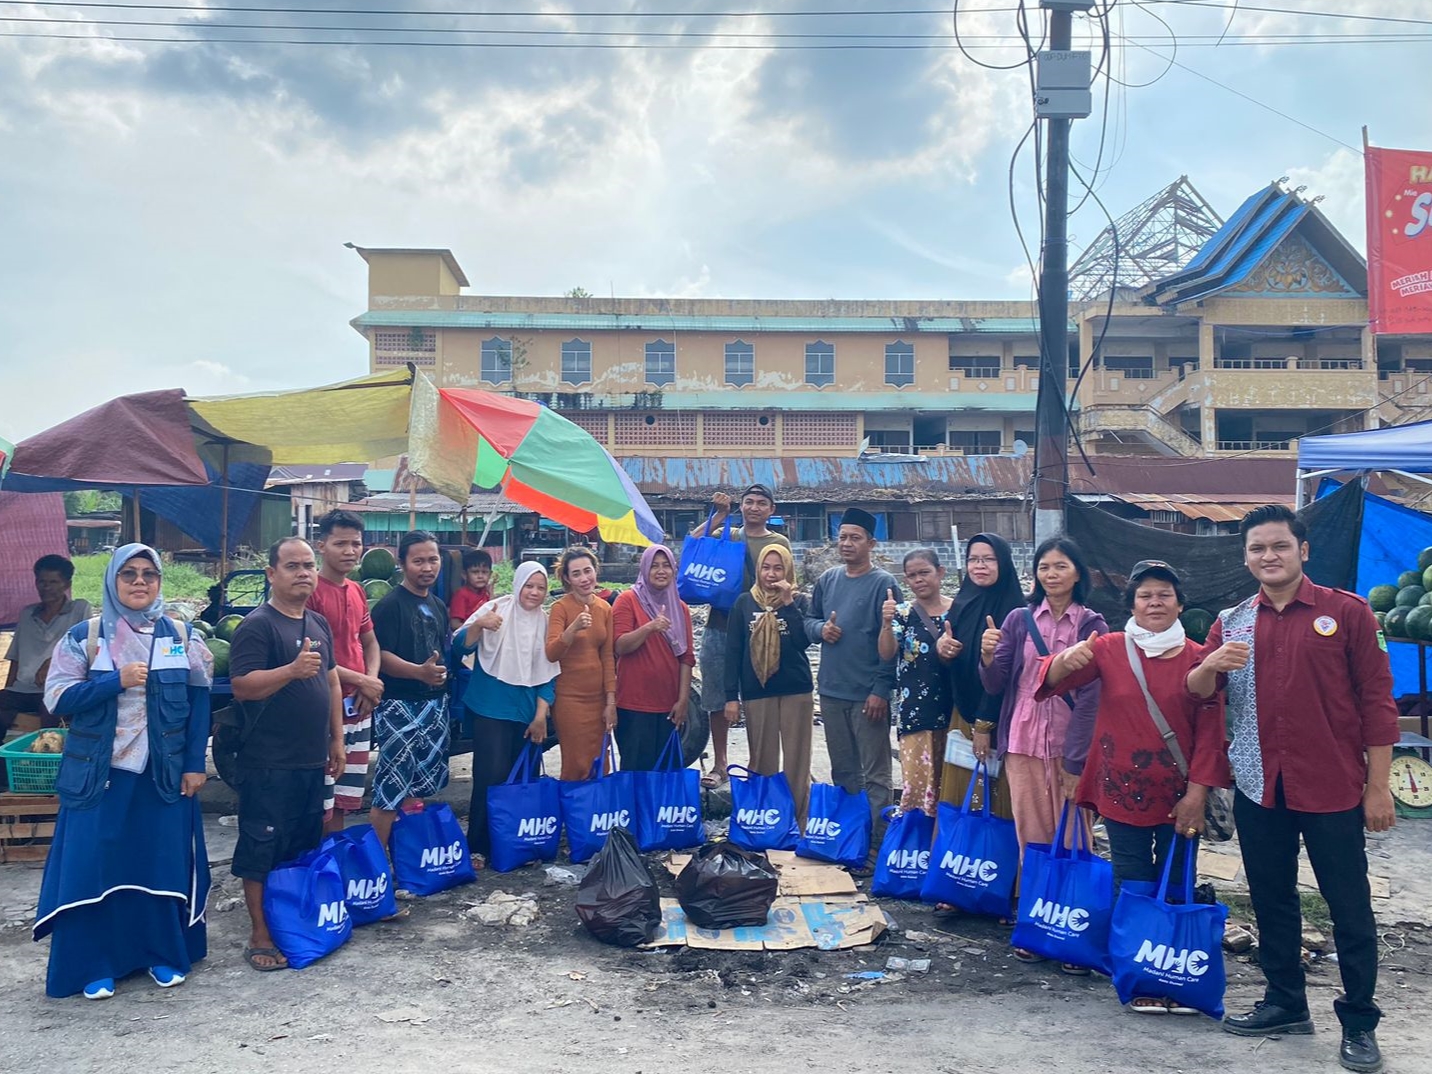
<point x="1392" y="535"/>
<point x="1397" y="447"/>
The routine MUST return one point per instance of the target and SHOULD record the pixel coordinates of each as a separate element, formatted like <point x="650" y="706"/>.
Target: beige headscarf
<point x="765" y="643"/>
<point x="516" y="652"/>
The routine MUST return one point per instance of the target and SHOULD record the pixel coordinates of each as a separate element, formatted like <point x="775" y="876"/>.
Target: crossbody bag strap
<point x="1034" y="635"/>
<point x="92" y="642"/>
<point x="926" y="618"/>
<point x="1165" y="731"/>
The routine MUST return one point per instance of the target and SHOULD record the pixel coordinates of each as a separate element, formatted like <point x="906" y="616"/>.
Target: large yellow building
<point x="1259" y="339"/>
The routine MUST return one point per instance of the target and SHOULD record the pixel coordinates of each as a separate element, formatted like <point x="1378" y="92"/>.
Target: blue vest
<point x="89" y="745"/>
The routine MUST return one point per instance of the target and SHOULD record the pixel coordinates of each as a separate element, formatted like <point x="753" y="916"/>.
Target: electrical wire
<point x="1237" y="5"/>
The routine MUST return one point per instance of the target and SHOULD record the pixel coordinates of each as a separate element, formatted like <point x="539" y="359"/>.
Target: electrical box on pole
<point x="1061" y="86"/>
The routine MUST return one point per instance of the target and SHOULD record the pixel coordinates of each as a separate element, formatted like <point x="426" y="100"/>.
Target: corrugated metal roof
<point x="812" y="479"/>
<point x="595" y="322"/>
<point x="479" y="503"/>
<point x="1249" y="479"/>
<point x="1212" y="509"/>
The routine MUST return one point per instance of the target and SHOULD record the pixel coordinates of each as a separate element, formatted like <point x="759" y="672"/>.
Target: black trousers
<point x="495" y="746"/>
<point x="1140" y="853"/>
<point x="1337" y="851"/>
<point x="641" y="736"/>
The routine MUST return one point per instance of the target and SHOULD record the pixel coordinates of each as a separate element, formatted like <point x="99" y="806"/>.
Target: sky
<point x="175" y="212"/>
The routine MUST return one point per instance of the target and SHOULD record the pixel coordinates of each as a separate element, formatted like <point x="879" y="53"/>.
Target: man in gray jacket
<point x="854" y="683"/>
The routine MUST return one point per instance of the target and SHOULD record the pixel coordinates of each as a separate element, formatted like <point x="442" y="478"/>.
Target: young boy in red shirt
<point x="475" y="590"/>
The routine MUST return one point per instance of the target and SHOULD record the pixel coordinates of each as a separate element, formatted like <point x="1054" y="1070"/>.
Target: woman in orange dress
<point x="580" y="639"/>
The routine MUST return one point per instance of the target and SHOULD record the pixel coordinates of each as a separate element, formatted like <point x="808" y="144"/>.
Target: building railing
<point x="1329" y="364"/>
<point x="1254" y="445"/>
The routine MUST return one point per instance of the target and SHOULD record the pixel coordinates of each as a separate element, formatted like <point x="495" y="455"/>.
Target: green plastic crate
<point x="31" y="773"/>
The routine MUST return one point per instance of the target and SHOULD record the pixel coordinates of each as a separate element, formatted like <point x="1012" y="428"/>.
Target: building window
<point x="899" y="364"/>
<point x="740" y="364"/>
<point x="660" y="362"/>
<point x="976" y="441"/>
<point x="888" y="439"/>
<point x="497" y="360"/>
<point x="576" y="362"/>
<point x="974" y="366"/>
<point x="1131" y="368"/>
<point x="820" y="363"/>
<point x="399" y="346"/>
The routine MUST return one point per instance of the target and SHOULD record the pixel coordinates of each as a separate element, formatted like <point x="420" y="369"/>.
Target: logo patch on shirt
<point x="1325" y="625"/>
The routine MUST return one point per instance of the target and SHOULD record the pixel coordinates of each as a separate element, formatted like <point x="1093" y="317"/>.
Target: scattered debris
<point x="411" y="1015"/>
<point x="224" y="906"/>
<point x="907" y="965"/>
<point x="519" y="911"/>
<point x="1313" y="939"/>
<point x="563" y="877"/>
<point x="1237" y="939"/>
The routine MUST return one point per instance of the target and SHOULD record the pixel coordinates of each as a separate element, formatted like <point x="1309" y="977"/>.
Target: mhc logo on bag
<point x="443" y="860"/>
<point x="909" y="863"/>
<point x="613" y="818"/>
<point x="963" y="870"/>
<point x="332" y="915"/>
<point x="1059" y="920"/>
<point x="700" y="572"/>
<point x="539" y="828"/>
<point x="367" y="889"/>
<point x="822" y="828"/>
<point x="672" y="814"/>
<point x="759" y="821"/>
<point x="1172" y="964"/>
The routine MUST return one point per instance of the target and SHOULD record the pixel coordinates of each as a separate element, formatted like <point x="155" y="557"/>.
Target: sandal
<point x="1026" y="955"/>
<point x="273" y="954"/>
<point x="944" y="910"/>
<point x="1175" y="1007"/>
<point x="1148" y="1005"/>
<point x="712" y="780"/>
<point x="1071" y="970"/>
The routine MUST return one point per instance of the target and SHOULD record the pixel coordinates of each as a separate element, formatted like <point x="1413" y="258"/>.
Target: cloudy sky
<point x="175" y="210"/>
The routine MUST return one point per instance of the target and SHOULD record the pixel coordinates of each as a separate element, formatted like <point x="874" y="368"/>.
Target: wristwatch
<point x="983" y="727"/>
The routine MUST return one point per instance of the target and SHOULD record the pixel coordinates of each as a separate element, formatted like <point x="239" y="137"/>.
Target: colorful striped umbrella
<point x="541" y="460"/>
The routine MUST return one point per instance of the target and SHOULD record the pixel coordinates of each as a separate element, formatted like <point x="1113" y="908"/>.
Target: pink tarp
<point x="31" y="525"/>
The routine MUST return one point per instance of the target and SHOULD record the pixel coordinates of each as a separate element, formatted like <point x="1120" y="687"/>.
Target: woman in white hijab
<point x="511" y="689"/>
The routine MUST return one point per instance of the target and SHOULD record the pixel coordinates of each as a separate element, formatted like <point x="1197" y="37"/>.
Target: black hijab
<point x="973" y="605"/>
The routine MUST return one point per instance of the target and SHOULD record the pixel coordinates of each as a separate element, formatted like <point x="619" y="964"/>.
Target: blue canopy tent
<point x="1404" y="449"/>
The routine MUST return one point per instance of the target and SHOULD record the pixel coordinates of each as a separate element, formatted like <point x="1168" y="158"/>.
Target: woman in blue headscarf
<point x="128" y="876"/>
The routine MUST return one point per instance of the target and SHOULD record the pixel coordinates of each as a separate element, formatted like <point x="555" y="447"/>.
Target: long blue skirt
<point x="125" y="887"/>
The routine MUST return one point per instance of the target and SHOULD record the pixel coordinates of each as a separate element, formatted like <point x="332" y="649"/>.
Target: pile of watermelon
<point x="1405" y="609"/>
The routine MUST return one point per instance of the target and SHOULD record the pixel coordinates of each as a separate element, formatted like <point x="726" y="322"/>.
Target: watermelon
<point x="1383" y="598"/>
<point x="377" y="563"/>
<point x="220" y="648"/>
<point x="1418" y="623"/>
<point x="397" y="578"/>
<point x="1426" y="577"/>
<point x="1424" y="558"/>
<point x="1379" y="616"/>
<point x="1197" y="622"/>
<point x="376" y="589"/>
<point x="356" y="574"/>
<point x="1395" y="624"/>
<point x="203" y="629"/>
<point x="1426" y="599"/>
<point x="224" y="629"/>
<point x="1408" y="596"/>
<point x="1407" y="578"/>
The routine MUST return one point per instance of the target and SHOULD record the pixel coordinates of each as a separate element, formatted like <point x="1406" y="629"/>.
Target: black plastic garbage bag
<point x="618" y="900"/>
<point x="724" y="887"/>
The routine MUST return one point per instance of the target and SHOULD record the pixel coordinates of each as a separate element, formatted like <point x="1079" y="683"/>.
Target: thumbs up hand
<point x="948" y="646"/>
<point x="830" y="633"/>
<point x="434" y="671"/>
<point x="989" y="640"/>
<point x="1077" y="656"/>
<point x="308" y="662"/>
<point x="887" y="610"/>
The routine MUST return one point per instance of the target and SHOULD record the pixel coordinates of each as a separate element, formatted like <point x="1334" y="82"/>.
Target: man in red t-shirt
<point x="475" y="590"/>
<point x="342" y="602"/>
<point x="1313" y="725"/>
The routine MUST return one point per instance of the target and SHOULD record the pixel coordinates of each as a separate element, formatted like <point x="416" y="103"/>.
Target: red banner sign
<point x="1399" y="241"/>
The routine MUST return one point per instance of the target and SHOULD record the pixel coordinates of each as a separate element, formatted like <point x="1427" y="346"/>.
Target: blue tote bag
<point x="594" y="806"/>
<point x="1166" y="951"/>
<point x="305" y="910"/>
<point x="668" y="803"/>
<point x="763" y="810"/>
<point x="712" y="568"/>
<point x="430" y="852"/>
<point x="904" y="856"/>
<point x="1066" y="898"/>
<point x="524" y="815"/>
<point x="975" y="856"/>
<point x="368" y="888"/>
<point x="837" y="826"/>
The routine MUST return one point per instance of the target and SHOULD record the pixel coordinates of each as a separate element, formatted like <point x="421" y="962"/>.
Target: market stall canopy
<point x="1397" y="447"/>
<point x="30" y="527"/>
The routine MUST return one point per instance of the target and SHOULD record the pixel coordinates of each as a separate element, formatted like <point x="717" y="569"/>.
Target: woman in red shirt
<point x="1131" y="777"/>
<point x="652" y="627"/>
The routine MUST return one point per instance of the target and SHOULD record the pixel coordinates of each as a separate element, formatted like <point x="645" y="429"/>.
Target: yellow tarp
<point x="356" y="421"/>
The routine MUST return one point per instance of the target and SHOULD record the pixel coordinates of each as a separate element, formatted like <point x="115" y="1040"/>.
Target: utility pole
<point x="1062" y="94"/>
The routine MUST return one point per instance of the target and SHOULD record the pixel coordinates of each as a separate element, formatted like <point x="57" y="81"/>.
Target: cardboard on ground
<point x="792" y="923"/>
<point x="798" y="876"/>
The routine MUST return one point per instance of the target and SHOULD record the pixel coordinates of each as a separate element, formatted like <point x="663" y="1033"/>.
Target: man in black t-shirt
<point x="283" y="673"/>
<point x="410" y="725"/>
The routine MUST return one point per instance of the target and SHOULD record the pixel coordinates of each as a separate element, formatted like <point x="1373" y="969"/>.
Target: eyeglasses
<point x="147" y="577"/>
<point x="982" y="561"/>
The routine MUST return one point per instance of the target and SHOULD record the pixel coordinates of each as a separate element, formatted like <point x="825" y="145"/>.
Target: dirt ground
<point x="439" y="990"/>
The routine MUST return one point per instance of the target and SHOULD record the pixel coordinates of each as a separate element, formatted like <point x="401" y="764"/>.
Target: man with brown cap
<point x="855" y="684"/>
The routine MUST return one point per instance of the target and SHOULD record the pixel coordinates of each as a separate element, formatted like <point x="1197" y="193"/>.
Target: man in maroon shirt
<point x="1313" y="725"/>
